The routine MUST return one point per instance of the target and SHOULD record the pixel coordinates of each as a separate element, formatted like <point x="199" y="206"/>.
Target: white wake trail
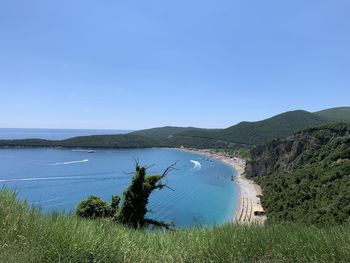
<point x="70" y="162"/>
<point x="197" y="165"/>
<point x="42" y="179"/>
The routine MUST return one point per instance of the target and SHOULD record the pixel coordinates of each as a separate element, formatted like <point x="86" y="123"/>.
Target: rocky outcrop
<point x="280" y="156"/>
<point x="305" y="178"/>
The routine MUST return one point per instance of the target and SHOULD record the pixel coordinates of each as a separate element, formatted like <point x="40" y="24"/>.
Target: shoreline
<point x="249" y="192"/>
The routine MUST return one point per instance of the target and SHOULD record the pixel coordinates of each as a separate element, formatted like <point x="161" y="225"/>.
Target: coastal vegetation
<point x="305" y="177"/>
<point x="133" y="208"/>
<point x="243" y="153"/>
<point x="95" y="141"/>
<point x="27" y="235"/>
<point x="244" y="135"/>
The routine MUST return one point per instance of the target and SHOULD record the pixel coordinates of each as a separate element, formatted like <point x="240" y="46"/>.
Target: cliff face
<point x="285" y="155"/>
<point x="305" y="177"/>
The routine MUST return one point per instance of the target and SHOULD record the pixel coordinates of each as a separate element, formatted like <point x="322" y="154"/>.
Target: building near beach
<point x="259" y="210"/>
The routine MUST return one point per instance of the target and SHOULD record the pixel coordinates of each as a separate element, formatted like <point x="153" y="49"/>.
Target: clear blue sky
<point x="139" y="64"/>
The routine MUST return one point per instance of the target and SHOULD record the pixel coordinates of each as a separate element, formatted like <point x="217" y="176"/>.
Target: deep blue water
<point x="57" y="179"/>
<point x="52" y="134"/>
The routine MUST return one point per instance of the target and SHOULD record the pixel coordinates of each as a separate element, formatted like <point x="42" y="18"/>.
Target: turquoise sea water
<point x="52" y="134"/>
<point x="57" y="179"/>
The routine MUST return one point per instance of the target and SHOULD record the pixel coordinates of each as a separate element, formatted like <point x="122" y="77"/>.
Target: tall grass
<point x="27" y="235"/>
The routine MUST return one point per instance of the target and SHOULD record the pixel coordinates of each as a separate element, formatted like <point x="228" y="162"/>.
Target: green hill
<point x="305" y="177"/>
<point x="163" y="132"/>
<point x="95" y="141"/>
<point x="111" y="141"/>
<point x="253" y="133"/>
<point x="242" y="135"/>
<point x="336" y="114"/>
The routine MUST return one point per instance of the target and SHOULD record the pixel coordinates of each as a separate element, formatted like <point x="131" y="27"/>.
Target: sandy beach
<point x="249" y="191"/>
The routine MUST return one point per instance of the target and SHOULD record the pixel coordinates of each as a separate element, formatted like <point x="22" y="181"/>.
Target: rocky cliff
<point x="305" y="177"/>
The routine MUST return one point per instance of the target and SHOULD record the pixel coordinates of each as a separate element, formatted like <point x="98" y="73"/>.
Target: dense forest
<point x="253" y="133"/>
<point x="305" y="177"/>
<point x="335" y="114"/>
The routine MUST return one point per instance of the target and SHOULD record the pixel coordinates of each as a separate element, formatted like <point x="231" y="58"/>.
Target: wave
<point x="70" y="162"/>
<point x="42" y="179"/>
<point x="86" y="177"/>
<point x="55" y="178"/>
<point x="197" y="165"/>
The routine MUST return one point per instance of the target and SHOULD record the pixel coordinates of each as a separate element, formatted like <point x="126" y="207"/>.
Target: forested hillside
<point x="163" y="132"/>
<point x="305" y="177"/>
<point x="95" y="141"/>
<point x="336" y="114"/>
<point x="253" y="133"/>
<point x="242" y="135"/>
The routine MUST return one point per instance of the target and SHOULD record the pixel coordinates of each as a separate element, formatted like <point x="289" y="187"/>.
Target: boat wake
<point x="59" y="178"/>
<point x="197" y="165"/>
<point x="70" y="162"/>
<point x="42" y="179"/>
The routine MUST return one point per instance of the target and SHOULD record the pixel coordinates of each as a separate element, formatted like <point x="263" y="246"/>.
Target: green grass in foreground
<point x="26" y="235"/>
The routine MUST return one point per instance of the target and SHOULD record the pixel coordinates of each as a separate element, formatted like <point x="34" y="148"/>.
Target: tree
<point x="134" y="205"/>
<point x="136" y="196"/>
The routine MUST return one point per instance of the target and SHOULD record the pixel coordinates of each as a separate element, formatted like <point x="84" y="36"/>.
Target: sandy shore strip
<point x="249" y="192"/>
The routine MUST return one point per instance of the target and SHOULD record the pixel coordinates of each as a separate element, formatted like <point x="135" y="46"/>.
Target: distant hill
<point x="253" y="133"/>
<point x="336" y="114"/>
<point x="305" y="177"/>
<point x="95" y="141"/>
<point x="242" y="135"/>
<point x="163" y="132"/>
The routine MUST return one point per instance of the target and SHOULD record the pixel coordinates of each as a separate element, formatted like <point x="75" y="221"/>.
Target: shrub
<point x="94" y="207"/>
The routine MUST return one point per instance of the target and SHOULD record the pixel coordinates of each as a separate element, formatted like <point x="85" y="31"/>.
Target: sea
<point x="52" y="134"/>
<point x="200" y="193"/>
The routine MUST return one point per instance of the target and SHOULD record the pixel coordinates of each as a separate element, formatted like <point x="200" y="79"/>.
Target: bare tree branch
<point x="168" y="170"/>
<point x="137" y="161"/>
<point x="169" y="187"/>
<point x="147" y="167"/>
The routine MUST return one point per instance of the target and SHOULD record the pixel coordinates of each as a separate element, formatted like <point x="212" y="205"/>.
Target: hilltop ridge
<point x="163" y="132"/>
<point x="335" y="114"/>
<point x="253" y="133"/>
<point x="242" y="135"/>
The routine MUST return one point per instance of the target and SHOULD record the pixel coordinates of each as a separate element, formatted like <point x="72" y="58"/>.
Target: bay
<point x="57" y="179"/>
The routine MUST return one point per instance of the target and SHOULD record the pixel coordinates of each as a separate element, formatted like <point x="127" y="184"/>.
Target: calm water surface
<point x="52" y="134"/>
<point x="57" y="179"/>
